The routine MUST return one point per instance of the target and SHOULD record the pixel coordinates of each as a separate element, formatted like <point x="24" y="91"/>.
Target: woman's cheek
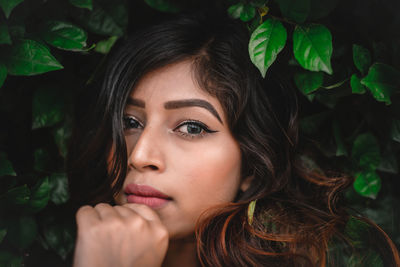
<point x="214" y="176"/>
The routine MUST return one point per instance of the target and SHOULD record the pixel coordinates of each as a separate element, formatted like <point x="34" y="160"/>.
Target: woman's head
<point x="179" y="143"/>
<point x="251" y="122"/>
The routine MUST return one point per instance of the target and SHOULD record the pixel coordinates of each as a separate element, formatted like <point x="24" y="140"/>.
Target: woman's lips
<point x="144" y="194"/>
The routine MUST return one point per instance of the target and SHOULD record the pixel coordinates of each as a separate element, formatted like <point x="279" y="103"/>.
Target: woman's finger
<point x="86" y="216"/>
<point x="144" y="211"/>
<point x="125" y="212"/>
<point x="106" y="211"/>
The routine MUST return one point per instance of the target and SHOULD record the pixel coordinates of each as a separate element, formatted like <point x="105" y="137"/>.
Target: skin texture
<point x="195" y="171"/>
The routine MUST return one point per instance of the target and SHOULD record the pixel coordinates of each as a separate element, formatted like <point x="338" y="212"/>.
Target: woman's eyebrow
<point x="174" y="104"/>
<point x="192" y="103"/>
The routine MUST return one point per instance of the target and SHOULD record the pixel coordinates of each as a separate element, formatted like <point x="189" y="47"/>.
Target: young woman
<point x="189" y="158"/>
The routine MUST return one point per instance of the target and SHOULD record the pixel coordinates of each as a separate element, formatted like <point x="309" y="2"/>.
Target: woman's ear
<point x="246" y="182"/>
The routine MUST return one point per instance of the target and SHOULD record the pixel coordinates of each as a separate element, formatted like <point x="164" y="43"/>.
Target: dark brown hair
<point x="298" y="212"/>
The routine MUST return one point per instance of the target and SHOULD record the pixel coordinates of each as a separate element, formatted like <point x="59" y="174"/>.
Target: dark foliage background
<point x="343" y="56"/>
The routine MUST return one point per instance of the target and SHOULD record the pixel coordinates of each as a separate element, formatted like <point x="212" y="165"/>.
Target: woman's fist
<point x="128" y="235"/>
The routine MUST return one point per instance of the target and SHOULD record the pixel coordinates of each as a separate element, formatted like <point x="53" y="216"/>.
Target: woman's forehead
<point x="173" y="85"/>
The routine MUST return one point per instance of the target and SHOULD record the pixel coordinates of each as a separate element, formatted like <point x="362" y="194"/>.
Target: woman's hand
<point x="128" y="235"/>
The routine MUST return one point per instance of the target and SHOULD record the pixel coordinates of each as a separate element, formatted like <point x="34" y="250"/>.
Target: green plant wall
<point x="342" y="56"/>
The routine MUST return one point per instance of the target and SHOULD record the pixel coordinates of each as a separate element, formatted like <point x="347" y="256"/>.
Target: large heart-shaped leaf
<point x="107" y="18"/>
<point x="64" y="35"/>
<point x="361" y="58"/>
<point x="265" y="44"/>
<point x="382" y="80"/>
<point x="105" y="46"/>
<point x="16" y="196"/>
<point x="312" y="47"/>
<point x="296" y="10"/>
<point x="366" y="151"/>
<point x="60" y="237"/>
<point x="82" y="3"/>
<point x="47" y="107"/>
<point x="308" y="81"/>
<point x="367" y="184"/>
<point x="356" y="86"/>
<point x="9" y="5"/>
<point x="29" y="57"/>
<point x="40" y="195"/>
<point x="59" y="188"/>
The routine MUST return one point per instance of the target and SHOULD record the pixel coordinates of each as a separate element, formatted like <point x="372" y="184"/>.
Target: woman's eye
<point x="193" y="129"/>
<point x="131" y="123"/>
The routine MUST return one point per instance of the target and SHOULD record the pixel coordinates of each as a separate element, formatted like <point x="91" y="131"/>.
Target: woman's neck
<point x="181" y="252"/>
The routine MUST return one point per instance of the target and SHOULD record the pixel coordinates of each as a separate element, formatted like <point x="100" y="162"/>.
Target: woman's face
<point x="182" y="158"/>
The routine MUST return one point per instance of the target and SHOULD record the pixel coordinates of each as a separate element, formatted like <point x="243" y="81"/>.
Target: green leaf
<point x="42" y="160"/>
<point x="250" y="211"/>
<point x="295" y="10"/>
<point x="48" y="107"/>
<point x="337" y="133"/>
<point x="22" y="231"/>
<point x="61" y="136"/>
<point x="3" y="74"/>
<point x="335" y="85"/>
<point x="6" y="167"/>
<point x="361" y="58"/>
<point x="82" y="3"/>
<point x="107" y="18"/>
<point x="382" y="80"/>
<point x="16" y="196"/>
<point x="311" y="124"/>
<point x="367" y="184"/>
<point x="64" y="35"/>
<point x="265" y="44"/>
<point x="388" y="162"/>
<point x="163" y="5"/>
<point x="40" y="195"/>
<point x="105" y="46"/>
<point x="366" y="151"/>
<point x="9" y="5"/>
<point x="308" y="81"/>
<point x="29" y="57"/>
<point x="17" y="31"/>
<point x="356" y="230"/>
<point x="368" y="258"/>
<point x="310" y="164"/>
<point x="312" y="47"/>
<point x="4" y="35"/>
<point x="10" y="260"/>
<point x="243" y="11"/>
<point x="60" y="238"/>
<point x="356" y="86"/>
<point x="3" y="232"/>
<point x="395" y="130"/>
<point x="59" y="188"/>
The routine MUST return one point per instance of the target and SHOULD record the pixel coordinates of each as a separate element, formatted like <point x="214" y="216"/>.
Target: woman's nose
<point x="146" y="154"/>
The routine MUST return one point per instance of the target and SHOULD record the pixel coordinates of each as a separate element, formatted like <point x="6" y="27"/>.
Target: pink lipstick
<point x="144" y="194"/>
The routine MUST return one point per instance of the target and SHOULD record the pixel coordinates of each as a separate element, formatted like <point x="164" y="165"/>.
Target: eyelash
<point x="205" y="130"/>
